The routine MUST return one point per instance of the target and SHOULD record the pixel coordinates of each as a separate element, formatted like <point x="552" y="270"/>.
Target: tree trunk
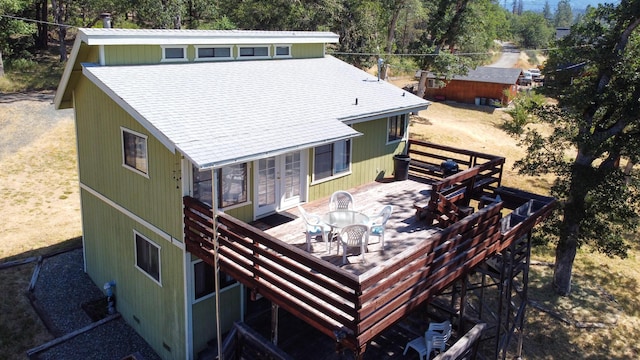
<point x="395" y="14"/>
<point x="58" y="11"/>
<point x="42" y="38"/>
<point x="565" y="255"/>
<point x="1" y="65"/>
<point x="574" y="213"/>
<point x="422" y="84"/>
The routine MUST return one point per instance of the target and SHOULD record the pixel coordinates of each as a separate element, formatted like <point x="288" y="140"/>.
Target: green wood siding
<point x="158" y="198"/>
<point x="109" y="250"/>
<point x="152" y="54"/>
<point x="132" y="54"/>
<point x="371" y="159"/>
<point x="300" y="51"/>
<point x="204" y="316"/>
<point x="245" y="213"/>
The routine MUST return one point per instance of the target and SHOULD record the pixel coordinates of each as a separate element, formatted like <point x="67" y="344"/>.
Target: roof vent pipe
<point x="106" y="20"/>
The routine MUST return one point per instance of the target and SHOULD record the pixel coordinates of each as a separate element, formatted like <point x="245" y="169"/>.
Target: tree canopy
<point x="594" y="75"/>
<point x="367" y="28"/>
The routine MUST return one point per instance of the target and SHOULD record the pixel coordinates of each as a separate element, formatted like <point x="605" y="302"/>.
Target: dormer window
<point x="283" y="51"/>
<point x="204" y="53"/>
<point x="253" y="52"/>
<point x="174" y="53"/>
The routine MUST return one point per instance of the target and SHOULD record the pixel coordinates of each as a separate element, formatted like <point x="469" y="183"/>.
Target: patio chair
<point x="341" y="200"/>
<point x="315" y="227"/>
<point x="434" y="339"/>
<point x="353" y="236"/>
<point x="379" y="223"/>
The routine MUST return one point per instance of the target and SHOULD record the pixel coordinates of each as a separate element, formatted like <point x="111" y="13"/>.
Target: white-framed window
<point x="174" y="53"/>
<point x="207" y="52"/>
<point x="431" y="83"/>
<point x="202" y="185"/>
<point x="204" y="280"/>
<point x="254" y="52"/>
<point x="282" y="51"/>
<point x="396" y="128"/>
<point x="233" y="181"/>
<point x="134" y="151"/>
<point x="331" y="160"/>
<point x="147" y="254"/>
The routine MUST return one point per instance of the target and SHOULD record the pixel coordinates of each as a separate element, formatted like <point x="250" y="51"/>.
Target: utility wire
<point x="329" y="52"/>
<point x="460" y="54"/>
<point x="35" y="21"/>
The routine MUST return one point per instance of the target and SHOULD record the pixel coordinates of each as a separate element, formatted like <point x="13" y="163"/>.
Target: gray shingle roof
<point x="508" y="76"/>
<point x="218" y="113"/>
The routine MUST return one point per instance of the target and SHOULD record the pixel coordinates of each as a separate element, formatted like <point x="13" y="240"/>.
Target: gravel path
<point x="61" y="289"/>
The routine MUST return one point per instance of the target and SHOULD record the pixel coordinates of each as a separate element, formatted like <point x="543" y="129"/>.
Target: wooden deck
<point x="403" y="229"/>
<point x="356" y="302"/>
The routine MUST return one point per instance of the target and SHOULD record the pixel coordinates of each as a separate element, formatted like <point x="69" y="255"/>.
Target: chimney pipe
<point x="106" y="20"/>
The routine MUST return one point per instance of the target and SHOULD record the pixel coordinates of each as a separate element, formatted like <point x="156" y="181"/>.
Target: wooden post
<point x="274" y="323"/>
<point x="422" y="84"/>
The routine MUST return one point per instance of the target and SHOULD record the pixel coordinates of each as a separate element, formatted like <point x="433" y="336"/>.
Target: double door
<point x="280" y="182"/>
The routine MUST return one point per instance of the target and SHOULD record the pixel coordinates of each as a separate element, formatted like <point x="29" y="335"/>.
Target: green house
<point x="250" y="122"/>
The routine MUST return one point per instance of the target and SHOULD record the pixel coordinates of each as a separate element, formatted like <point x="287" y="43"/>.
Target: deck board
<point x="403" y="228"/>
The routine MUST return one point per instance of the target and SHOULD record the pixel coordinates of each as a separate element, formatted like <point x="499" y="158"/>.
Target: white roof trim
<point x="66" y="75"/>
<point x="374" y="116"/>
<point x="96" y="36"/>
<point x="129" y="109"/>
<point x="263" y="155"/>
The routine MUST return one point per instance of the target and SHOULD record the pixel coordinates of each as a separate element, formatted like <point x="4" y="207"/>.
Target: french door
<point x="280" y="183"/>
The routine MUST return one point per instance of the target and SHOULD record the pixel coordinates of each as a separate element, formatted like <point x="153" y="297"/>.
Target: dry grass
<point x="602" y="314"/>
<point x="39" y="193"/>
<point x="40" y="207"/>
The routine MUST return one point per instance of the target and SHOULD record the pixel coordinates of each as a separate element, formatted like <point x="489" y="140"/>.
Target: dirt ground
<point x="40" y="209"/>
<point x="39" y="199"/>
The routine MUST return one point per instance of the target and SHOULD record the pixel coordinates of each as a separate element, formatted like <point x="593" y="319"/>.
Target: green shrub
<point x="21" y="65"/>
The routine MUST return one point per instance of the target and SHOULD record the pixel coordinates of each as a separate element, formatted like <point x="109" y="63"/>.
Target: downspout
<point x="216" y="260"/>
<point x="111" y="300"/>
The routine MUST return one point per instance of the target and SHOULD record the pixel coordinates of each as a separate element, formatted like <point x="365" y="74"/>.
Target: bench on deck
<point x="451" y="196"/>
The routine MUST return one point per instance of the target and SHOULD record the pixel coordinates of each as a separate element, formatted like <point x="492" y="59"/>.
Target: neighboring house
<point x="561" y="32"/>
<point x="482" y="85"/>
<point x="249" y="121"/>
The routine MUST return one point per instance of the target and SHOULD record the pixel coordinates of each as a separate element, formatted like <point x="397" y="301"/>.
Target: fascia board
<point x="382" y="114"/>
<point x="275" y="152"/>
<point x="66" y="75"/>
<point x="128" y="108"/>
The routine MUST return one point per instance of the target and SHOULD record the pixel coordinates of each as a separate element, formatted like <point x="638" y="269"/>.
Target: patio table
<point x="338" y="219"/>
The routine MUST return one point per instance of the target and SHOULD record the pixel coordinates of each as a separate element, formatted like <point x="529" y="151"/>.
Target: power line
<point x="329" y="52"/>
<point x="459" y="54"/>
<point x="378" y="54"/>
<point x="36" y="21"/>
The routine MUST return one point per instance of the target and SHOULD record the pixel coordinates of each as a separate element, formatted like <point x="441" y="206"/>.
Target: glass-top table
<point x="340" y="218"/>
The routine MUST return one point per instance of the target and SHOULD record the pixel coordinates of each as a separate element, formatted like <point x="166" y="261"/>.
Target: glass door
<point x="280" y="182"/>
<point x="266" y="186"/>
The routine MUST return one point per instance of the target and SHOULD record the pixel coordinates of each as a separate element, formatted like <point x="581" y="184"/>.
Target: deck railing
<point x="352" y="309"/>
<point x="478" y="175"/>
<point x="427" y="158"/>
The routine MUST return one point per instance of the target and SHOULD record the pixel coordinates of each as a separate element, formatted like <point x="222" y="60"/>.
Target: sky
<point x="538" y="5"/>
